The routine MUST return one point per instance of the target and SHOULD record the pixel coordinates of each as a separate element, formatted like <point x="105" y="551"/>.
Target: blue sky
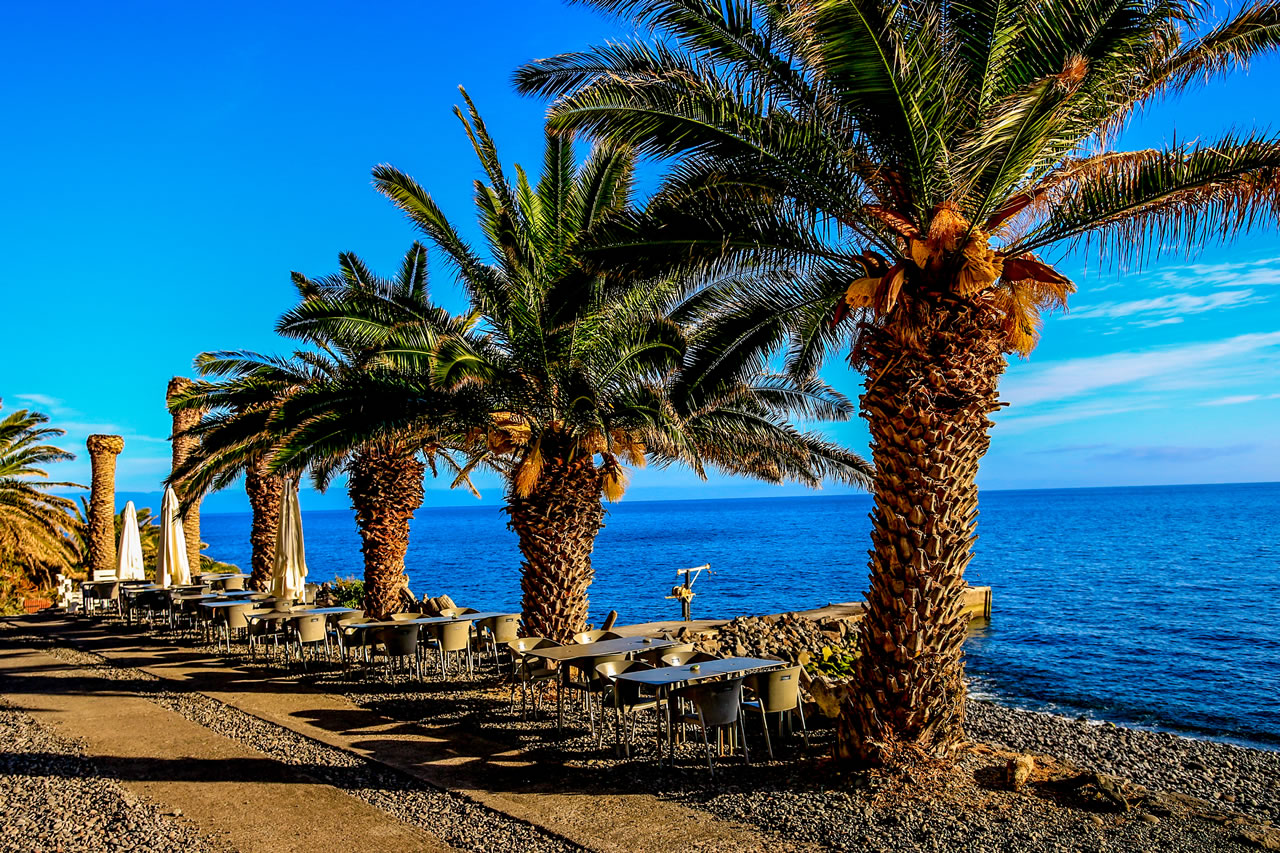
<point x="167" y="165"/>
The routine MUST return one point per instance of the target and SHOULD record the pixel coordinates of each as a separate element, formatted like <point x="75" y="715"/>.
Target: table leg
<point x="561" y="669"/>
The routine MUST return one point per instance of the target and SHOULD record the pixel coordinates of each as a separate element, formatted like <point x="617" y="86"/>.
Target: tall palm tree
<point x="893" y="171"/>
<point x="585" y="374"/>
<point x="266" y="407"/>
<point x="39" y="531"/>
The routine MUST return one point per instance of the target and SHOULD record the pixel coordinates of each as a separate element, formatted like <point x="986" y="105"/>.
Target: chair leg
<point x="764" y="718"/>
<point x="742" y="729"/>
<point x="706" y="742"/>
<point x="804" y="727"/>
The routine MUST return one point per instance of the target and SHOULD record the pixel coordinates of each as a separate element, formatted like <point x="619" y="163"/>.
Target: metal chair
<point x="350" y="638"/>
<point x="776" y="692"/>
<point x="530" y="671"/>
<point x="405" y="617"/>
<point x="310" y="631"/>
<point x="680" y="658"/>
<point x="453" y="638"/>
<point x="231" y="619"/>
<point x="585" y="678"/>
<point x="717" y="705"/>
<point x="653" y="657"/>
<point x="628" y="700"/>
<point x="498" y="631"/>
<point x="401" y="642"/>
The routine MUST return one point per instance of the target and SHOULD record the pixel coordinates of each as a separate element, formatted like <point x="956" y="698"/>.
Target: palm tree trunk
<point x="385" y="485"/>
<point x="265" y="491"/>
<point x="103" y="450"/>
<point x="927" y="407"/>
<point x="184" y="447"/>
<point x="557" y="524"/>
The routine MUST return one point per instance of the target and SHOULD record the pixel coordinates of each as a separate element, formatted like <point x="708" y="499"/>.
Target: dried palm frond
<point x="528" y="471"/>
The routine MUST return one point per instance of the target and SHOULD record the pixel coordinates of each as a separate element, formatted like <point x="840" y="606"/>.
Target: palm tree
<point x="39" y="531"/>
<point x="893" y="171"/>
<point x="584" y="374"/>
<point x="276" y="416"/>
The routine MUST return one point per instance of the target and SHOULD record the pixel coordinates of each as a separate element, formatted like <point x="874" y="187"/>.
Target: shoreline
<point x="1026" y="706"/>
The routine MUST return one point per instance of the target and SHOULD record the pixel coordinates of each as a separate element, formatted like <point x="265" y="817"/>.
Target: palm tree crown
<point x="271" y="415"/>
<point x="585" y="374"/>
<point x="38" y="530"/>
<point x="893" y="150"/>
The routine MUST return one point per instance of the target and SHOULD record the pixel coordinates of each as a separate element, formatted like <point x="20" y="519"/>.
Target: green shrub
<point x="348" y="592"/>
<point x="833" y="663"/>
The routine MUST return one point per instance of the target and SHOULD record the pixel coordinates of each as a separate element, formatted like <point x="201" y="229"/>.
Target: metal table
<point x="663" y="678"/>
<point x="583" y="651"/>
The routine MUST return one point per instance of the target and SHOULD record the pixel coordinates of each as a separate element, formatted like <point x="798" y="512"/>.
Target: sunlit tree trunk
<point x="184" y="447"/>
<point x="557" y="525"/>
<point x="928" y="408"/>
<point x="385" y="485"/>
<point x="103" y="450"/>
<point x="265" y="491"/>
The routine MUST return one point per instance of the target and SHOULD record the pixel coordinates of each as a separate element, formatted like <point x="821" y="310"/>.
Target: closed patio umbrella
<point x="289" y="572"/>
<point x="172" y="567"/>
<point x="129" y="552"/>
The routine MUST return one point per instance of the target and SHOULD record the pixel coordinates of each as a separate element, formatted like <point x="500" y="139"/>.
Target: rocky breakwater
<point x="788" y="636"/>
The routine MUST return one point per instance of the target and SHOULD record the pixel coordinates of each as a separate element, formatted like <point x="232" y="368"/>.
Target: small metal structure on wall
<point x="684" y="592"/>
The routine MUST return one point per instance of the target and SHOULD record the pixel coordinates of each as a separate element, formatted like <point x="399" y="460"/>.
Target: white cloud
<point x="1007" y="424"/>
<point x="1170" y="306"/>
<point x="40" y="400"/>
<point x="1259" y="273"/>
<point x="1240" y="398"/>
<point x="1079" y="377"/>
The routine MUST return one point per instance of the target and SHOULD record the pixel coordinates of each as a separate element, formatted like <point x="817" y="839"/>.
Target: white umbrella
<point x="172" y="566"/>
<point x="289" y="571"/>
<point x="129" y="551"/>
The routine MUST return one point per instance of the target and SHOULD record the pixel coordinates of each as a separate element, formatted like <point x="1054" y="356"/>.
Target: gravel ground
<point x="962" y="808"/>
<point x="53" y="798"/>
<point x="1239" y="777"/>
<point x="452" y="818"/>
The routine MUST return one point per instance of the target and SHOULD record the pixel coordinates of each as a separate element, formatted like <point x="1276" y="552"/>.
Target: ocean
<point x="1156" y="607"/>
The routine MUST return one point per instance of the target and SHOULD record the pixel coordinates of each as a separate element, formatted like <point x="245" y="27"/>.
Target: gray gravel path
<point x="53" y="798"/>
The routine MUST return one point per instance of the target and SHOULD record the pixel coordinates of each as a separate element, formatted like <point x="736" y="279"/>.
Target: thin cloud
<point x="1240" y="398"/>
<point x="1172" y="453"/>
<point x="1010" y="424"/>
<point x="1079" y="377"/>
<point x="1170" y="306"/>
<point x="1260" y="273"/>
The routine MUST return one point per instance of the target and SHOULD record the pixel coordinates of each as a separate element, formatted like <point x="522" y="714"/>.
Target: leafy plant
<point x="347" y="592"/>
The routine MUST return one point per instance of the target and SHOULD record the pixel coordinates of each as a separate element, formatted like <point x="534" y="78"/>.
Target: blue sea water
<point x="1153" y="606"/>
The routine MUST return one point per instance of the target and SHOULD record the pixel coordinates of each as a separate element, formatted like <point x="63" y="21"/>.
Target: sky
<point x="165" y="166"/>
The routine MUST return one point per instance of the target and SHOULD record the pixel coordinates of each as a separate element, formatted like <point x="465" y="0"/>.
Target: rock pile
<point x="785" y="636"/>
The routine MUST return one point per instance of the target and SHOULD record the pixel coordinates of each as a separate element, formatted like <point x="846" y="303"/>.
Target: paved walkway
<point x="181" y="762"/>
<point x="250" y="801"/>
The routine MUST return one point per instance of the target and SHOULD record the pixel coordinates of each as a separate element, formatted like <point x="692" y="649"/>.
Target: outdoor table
<point x="210" y="596"/>
<point x="662" y="679"/>
<point x="226" y="601"/>
<point x="84" y="585"/>
<point x="129" y="590"/>
<point x="428" y="620"/>
<point x="581" y="651"/>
